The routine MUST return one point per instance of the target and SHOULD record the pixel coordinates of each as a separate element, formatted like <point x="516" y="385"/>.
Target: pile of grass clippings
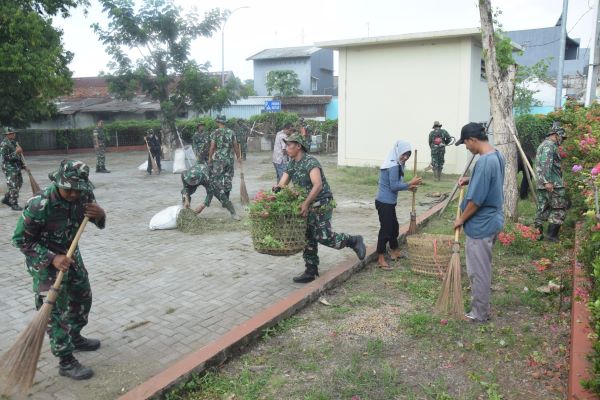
<point x="193" y="224"/>
<point x="188" y="222"/>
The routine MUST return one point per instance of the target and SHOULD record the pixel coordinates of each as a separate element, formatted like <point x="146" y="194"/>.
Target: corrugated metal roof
<point x="138" y="105"/>
<point x="285" y="52"/>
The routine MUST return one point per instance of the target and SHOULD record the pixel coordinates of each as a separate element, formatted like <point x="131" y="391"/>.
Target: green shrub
<point x="532" y="130"/>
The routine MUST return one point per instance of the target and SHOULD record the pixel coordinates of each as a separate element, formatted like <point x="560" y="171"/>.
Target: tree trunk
<point x="501" y="86"/>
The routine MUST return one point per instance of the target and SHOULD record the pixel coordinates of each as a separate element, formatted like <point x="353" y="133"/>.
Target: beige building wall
<point x="396" y="91"/>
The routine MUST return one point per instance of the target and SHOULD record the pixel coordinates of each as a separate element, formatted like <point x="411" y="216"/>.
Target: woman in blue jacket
<point x="391" y="181"/>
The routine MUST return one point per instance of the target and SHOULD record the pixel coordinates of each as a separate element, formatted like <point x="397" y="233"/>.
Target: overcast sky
<point x="266" y="24"/>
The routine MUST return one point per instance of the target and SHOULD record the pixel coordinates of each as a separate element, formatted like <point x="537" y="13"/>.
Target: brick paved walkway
<point x="158" y="295"/>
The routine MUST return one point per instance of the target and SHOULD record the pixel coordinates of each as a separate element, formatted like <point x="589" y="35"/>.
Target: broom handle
<point x="414" y="194"/>
<point x="460" y="199"/>
<point x="72" y="248"/>
<point x="23" y="159"/>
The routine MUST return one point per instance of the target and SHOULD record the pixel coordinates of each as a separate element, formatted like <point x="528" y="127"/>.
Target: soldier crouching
<point x="199" y="175"/>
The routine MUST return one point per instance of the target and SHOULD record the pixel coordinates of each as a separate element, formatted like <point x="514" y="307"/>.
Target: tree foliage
<point x="525" y="96"/>
<point x="284" y="83"/>
<point x="33" y="62"/>
<point x="161" y="35"/>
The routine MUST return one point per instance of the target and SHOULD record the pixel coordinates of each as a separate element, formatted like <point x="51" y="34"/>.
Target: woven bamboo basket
<point x="430" y="254"/>
<point x="287" y="231"/>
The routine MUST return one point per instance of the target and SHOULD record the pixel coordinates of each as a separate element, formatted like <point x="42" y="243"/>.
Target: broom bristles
<point x="35" y="188"/>
<point x="450" y="301"/>
<point x="19" y="363"/>
<point x="412" y="228"/>
<point x="245" y="199"/>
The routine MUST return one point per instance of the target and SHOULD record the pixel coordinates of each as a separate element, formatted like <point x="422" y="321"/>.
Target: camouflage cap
<point x="7" y="129"/>
<point x="556" y="128"/>
<point x="298" y="138"/>
<point x="221" y="119"/>
<point x="72" y="174"/>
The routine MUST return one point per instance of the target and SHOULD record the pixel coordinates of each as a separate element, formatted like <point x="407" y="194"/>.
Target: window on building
<point x="482" y="74"/>
<point x="314" y="84"/>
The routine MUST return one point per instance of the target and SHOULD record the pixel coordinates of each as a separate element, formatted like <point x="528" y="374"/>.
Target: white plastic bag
<point x="143" y="166"/>
<point x="165" y="219"/>
<point x="183" y="159"/>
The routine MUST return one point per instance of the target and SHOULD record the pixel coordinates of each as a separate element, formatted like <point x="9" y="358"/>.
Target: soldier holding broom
<point x="44" y="232"/>
<point x="482" y="216"/>
<point x="305" y="171"/>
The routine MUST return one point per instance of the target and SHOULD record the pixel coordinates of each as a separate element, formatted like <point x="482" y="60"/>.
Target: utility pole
<point x="592" y="75"/>
<point x="561" y="56"/>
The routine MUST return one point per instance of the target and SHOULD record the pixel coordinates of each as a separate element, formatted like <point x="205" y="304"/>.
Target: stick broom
<point x="18" y="364"/>
<point x="450" y="301"/>
<point x="412" y="228"/>
<point x="154" y="164"/>
<point x="35" y="188"/>
<point x="244" y="198"/>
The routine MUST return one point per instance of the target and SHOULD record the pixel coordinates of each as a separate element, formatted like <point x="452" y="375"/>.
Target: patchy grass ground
<point x="375" y="337"/>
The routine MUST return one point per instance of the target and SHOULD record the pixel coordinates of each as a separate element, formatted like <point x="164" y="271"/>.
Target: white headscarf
<point x="400" y="147"/>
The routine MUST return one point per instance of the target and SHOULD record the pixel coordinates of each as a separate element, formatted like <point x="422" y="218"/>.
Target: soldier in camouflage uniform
<point x="241" y="136"/>
<point x="305" y="171"/>
<point x="201" y="143"/>
<point x="222" y="147"/>
<point x="100" y="147"/>
<point x="198" y="175"/>
<point x="551" y="195"/>
<point x="12" y="163"/>
<point x="44" y="233"/>
<point x="438" y="140"/>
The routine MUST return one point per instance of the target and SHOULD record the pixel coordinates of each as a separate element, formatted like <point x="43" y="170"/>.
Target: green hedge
<point x="131" y="133"/>
<point x="532" y="130"/>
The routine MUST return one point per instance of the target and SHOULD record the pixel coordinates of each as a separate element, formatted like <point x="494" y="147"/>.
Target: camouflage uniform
<point x="47" y="228"/>
<point x="201" y="145"/>
<point x="551" y="206"/>
<point x="12" y="163"/>
<point x="438" y="140"/>
<point x="198" y="175"/>
<point x="222" y="168"/>
<point x="319" y="217"/>
<point x="100" y="149"/>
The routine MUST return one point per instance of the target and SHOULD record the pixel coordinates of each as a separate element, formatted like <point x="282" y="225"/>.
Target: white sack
<point x="165" y="219"/>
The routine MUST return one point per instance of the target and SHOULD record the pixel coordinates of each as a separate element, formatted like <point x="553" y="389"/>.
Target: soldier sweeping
<point x="551" y="195"/>
<point x="438" y="140"/>
<point x="201" y="143"/>
<point x="154" y="147"/>
<point x="305" y="171"/>
<point x="12" y="164"/>
<point x="198" y="175"/>
<point x="100" y="147"/>
<point x="44" y="232"/>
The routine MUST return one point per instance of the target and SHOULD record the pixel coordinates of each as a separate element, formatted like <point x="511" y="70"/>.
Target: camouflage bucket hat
<point x="72" y="174"/>
<point x="436" y="123"/>
<point x="556" y="128"/>
<point x="7" y="129"/>
<point x="298" y="138"/>
<point x="221" y="119"/>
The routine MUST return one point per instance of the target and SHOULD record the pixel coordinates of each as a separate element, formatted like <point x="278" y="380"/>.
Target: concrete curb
<point x="238" y="338"/>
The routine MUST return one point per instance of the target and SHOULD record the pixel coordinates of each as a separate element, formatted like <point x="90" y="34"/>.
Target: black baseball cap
<point x="471" y="130"/>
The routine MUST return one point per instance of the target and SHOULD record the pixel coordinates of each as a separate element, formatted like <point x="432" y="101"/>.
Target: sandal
<point x="384" y="267"/>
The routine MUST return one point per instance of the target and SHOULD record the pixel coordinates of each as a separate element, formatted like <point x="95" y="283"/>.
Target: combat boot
<point x="84" y="344"/>
<point x="5" y="201"/>
<point x="553" y="233"/>
<point x="71" y="368"/>
<point x="104" y="171"/>
<point x="229" y="207"/>
<point x="16" y="207"/>
<point x="310" y="274"/>
<point x="358" y="245"/>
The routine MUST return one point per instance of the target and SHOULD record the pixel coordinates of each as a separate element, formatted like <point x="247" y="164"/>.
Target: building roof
<point x="305" y="100"/>
<point x="285" y="52"/>
<point x="137" y="105"/>
<point x="474" y="33"/>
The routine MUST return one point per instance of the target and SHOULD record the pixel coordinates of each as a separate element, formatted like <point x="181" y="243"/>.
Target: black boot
<point x="309" y="274"/>
<point x="358" y="245"/>
<point x="84" y="344"/>
<point x="231" y="209"/>
<point x="553" y="233"/>
<point x="5" y="201"/>
<point x="70" y="367"/>
<point x="16" y="207"/>
<point x="540" y="230"/>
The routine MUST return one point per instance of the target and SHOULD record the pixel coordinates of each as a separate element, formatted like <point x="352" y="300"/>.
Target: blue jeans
<point x="279" y="169"/>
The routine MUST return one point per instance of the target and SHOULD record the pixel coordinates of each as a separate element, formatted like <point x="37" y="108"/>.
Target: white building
<point x="395" y="87"/>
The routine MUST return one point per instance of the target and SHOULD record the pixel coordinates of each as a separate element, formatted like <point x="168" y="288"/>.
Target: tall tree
<point x="501" y="71"/>
<point x="33" y="62"/>
<point x="161" y="36"/>
<point x="284" y="83"/>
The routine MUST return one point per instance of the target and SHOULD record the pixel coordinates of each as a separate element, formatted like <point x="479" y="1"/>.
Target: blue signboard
<point x="272" y="105"/>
